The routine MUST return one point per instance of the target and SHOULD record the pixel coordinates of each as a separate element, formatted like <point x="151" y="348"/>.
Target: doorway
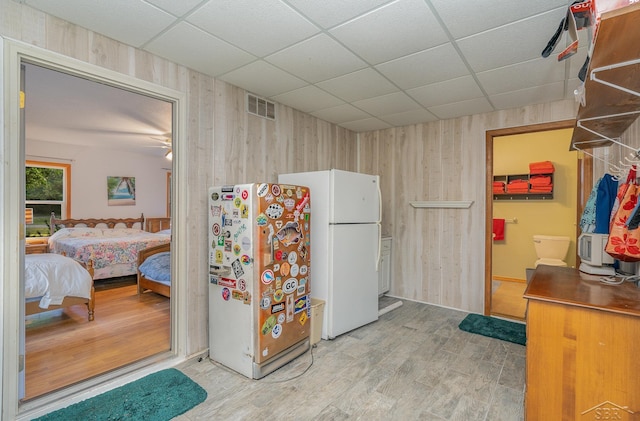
<point x="507" y="259"/>
<point x="13" y="217"/>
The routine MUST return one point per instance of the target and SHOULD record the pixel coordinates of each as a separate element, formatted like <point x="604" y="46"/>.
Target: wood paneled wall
<point x="224" y="144"/>
<point x="438" y="254"/>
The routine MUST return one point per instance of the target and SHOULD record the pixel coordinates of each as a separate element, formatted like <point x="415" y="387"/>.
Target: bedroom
<point x="97" y="134"/>
<point x="214" y="120"/>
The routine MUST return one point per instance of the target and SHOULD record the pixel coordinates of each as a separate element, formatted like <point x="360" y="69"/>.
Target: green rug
<point x="495" y="328"/>
<point x="158" y="396"/>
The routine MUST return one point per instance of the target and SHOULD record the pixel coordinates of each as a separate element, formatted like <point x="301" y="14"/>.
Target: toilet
<point x="551" y="250"/>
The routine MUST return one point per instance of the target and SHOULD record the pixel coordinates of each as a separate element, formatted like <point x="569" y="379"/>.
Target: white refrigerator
<point x="259" y="266"/>
<point x="346" y="239"/>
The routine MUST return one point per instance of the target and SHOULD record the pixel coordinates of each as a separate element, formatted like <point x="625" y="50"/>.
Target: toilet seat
<point x="550" y="262"/>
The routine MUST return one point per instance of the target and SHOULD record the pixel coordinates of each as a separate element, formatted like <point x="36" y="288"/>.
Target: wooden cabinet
<point x="384" y="270"/>
<point x="528" y="195"/>
<point x="583" y="347"/>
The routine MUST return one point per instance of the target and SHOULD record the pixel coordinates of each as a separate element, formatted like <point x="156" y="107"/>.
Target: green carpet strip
<point x="495" y="328"/>
<point x="158" y="396"/>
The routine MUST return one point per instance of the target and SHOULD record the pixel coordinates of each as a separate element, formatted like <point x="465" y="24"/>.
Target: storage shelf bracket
<point x="603" y="137"/>
<point x="614" y="66"/>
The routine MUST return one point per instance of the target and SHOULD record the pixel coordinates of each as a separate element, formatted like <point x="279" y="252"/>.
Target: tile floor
<point x="412" y="364"/>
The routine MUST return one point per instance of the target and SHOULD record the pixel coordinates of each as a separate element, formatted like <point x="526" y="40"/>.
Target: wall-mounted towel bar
<point x="511" y="221"/>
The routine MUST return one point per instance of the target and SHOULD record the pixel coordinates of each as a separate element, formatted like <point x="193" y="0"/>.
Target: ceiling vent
<point x="261" y="107"/>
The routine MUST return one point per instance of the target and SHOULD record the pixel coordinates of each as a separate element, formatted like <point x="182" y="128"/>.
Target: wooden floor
<point x="63" y="348"/>
<point x="507" y="301"/>
<point x="412" y="364"/>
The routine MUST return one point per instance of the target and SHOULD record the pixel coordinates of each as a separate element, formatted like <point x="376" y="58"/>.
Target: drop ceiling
<point x="362" y="64"/>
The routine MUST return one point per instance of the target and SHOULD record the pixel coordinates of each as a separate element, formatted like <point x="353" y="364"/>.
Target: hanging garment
<point x="624" y="244"/>
<point x="606" y="197"/>
<point x="588" y="218"/>
<point x="498" y="229"/>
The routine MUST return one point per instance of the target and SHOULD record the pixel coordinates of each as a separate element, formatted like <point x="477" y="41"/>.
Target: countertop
<point x="570" y="286"/>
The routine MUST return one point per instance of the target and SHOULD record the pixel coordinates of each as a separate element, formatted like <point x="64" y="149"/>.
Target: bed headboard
<point x="56" y="224"/>
<point x="157" y="224"/>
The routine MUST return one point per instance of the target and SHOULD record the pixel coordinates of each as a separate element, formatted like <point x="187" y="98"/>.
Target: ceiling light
<point x="169" y="155"/>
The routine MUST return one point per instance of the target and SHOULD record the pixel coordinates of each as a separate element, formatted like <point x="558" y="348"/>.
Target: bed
<point x="157" y="224"/>
<point x="154" y="270"/>
<point x="112" y="244"/>
<point x="53" y="281"/>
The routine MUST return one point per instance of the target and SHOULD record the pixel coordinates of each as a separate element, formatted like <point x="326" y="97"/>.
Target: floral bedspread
<point x="103" y="245"/>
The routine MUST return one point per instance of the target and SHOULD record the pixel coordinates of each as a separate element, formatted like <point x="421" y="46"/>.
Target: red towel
<point x="544" y="167"/>
<point x="540" y="180"/>
<point x="498" y="229"/>
<point x="541" y="189"/>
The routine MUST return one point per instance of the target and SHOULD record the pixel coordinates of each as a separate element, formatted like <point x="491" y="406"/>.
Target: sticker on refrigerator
<point x="219" y="256"/>
<point x="263" y="189"/>
<point x="292" y="257"/>
<point x="274" y="211"/>
<point x="289" y="204"/>
<point x="284" y="269"/>
<point x="215" y="229"/>
<point x="237" y="268"/>
<point x="215" y="196"/>
<point x="246" y="243"/>
<point x="226" y="282"/>
<point x="290" y="285"/>
<point x="277" y="308"/>
<point x="303" y="319"/>
<point x="294" y="270"/>
<point x="276" y="331"/>
<point x="301" y="304"/>
<point x="278" y="295"/>
<point x="244" y="211"/>
<point x="275" y="189"/>
<point x="261" y="220"/>
<point x="226" y="294"/>
<point x="237" y="202"/>
<point x="289" y="234"/>
<point x="267" y="277"/>
<point x="245" y="259"/>
<point x="265" y="303"/>
<point x="242" y="285"/>
<point x="244" y="194"/>
<point x="268" y="325"/>
<point x="290" y="308"/>
<point x="281" y="318"/>
<point x="236" y="294"/>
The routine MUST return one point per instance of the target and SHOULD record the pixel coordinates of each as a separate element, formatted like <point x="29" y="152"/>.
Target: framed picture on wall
<point x="121" y="191"/>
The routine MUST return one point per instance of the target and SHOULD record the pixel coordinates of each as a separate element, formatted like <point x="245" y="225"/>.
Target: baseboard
<point x="508" y="279"/>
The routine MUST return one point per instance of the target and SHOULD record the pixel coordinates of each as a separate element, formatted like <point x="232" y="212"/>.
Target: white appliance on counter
<point x="345" y="244"/>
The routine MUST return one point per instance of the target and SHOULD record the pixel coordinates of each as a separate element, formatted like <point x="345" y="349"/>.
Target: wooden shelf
<point x="616" y="42"/>
<point x="521" y="196"/>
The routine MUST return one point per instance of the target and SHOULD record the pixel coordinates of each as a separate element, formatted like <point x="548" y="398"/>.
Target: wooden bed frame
<point x="55" y="223"/>
<point x="32" y="307"/>
<point x="147" y="284"/>
<point x="157" y="224"/>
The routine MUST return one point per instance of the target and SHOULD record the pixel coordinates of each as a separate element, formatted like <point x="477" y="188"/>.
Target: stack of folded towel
<point x="541" y="184"/>
<point x="518" y="186"/>
<point x="543" y="167"/>
<point x="498" y="187"/>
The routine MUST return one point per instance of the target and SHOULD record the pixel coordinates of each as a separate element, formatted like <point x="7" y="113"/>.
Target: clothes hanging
<point x="588" y="218"/>
<point x="606" y="197"/>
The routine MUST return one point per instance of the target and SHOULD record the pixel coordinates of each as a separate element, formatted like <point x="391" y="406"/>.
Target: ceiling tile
<point x="467" y="20"/>
<point x="387" y="104"/>
<point x="510" y="44"/>
<point x="409" y="117"/>
<point x="341" y="114"/>
<point x="446" y="92"/>
<point x="428" y="66"/>
<point x="259" y="27"/>
<point x="523" y="75"/>
<point x="365" y="125"/>
<point x="328" y="13"/>
<point x="462" y="108"/>
<point x="308" y="99"/>
<point x="198" y="50"/>
<point x="263" y="79"/>
<point x="362" y="84"/>
<point x="138" y="25"/>
<point x="177" y="8"/>
<point x="316" y="59"/>
<point x="406" y="26"/>
<point x="536" y="95"/>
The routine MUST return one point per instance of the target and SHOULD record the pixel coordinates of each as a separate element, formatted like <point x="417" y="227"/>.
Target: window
<point x="47" y="190"/>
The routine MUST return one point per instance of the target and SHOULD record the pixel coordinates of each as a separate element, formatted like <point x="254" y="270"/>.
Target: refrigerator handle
<point x="379" y="224"/>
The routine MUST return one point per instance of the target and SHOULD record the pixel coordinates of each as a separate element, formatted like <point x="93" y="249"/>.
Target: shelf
<point x="521" y="196"/>
<point x="612" y="104"/>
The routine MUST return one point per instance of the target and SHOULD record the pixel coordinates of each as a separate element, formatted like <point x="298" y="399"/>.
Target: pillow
<point x="120" y="232"/>
<point x="76" y="233"/>
<point x="157" y="267"/>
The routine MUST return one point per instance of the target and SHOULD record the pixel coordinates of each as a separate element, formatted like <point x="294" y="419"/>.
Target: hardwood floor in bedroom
<point x="63" y="347"/>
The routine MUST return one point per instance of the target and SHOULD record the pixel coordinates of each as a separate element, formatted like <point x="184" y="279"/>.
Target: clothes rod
<point x="452" y="204"/>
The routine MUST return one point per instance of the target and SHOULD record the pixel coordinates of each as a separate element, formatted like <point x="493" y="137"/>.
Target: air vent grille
<point x="261" y="107"/>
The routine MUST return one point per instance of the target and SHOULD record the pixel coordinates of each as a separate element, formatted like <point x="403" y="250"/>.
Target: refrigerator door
<point x="231" y="271"/>
<point x="355" y="198"/>
<point x="353" y="283"/>
<point x="282" y="264"/>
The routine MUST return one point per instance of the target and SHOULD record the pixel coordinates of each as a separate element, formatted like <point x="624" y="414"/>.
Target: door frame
<point x="12" y="54"/>
<point x="584" y="179"/>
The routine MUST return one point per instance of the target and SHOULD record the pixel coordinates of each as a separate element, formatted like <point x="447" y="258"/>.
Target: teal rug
<point x="495" y="328"/>
<point x="158" y="396"/>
